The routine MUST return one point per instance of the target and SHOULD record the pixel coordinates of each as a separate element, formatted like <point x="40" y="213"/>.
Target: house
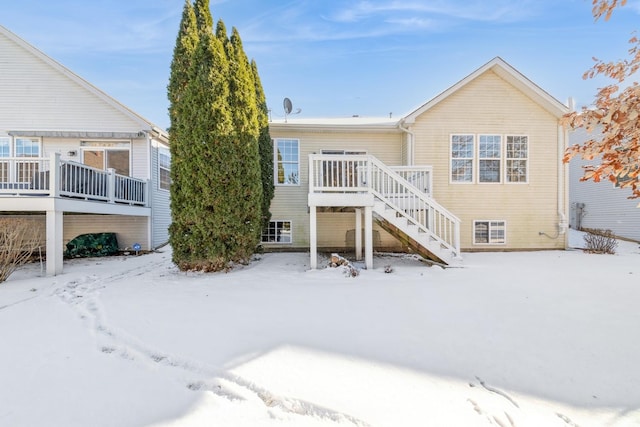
<point x="477" y="168"/>
<point x="74" y="160"/>
<point x="600" y="205"/>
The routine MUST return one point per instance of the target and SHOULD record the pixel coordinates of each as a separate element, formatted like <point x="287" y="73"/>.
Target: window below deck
<point x="277" y="232"/>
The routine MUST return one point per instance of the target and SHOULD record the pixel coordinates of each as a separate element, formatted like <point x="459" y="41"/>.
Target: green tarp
<point x="92" y="245"/>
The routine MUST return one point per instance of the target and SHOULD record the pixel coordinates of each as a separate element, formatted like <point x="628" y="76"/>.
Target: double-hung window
<point x="26" y="148"/>
<point x="486" y="158"/>
<point x="26" y="162"/>
<point x="462" y="148"/>
<point x="517" y="158"/>
<point x="164" y="168"/>
<point x="489" y="154"/>
<point x="5" y="151"/>
<point x="287" y="161"/>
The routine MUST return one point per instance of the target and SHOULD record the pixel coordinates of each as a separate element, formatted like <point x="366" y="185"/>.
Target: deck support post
<point x="313" y="237"/>
<point x="54" y="224"/>
<point x="368" y="237"/>
<point x="358" y="234"/>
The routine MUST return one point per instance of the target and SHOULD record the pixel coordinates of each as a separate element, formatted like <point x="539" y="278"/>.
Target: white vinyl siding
<point x="161" y="213"/>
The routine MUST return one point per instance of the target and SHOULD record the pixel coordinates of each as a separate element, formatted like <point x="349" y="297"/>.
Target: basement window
<point x="277" y="232"/>
<point x="489" y="232"/>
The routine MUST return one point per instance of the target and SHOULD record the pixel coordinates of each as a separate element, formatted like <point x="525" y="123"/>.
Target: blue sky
<point x="332" y="58"/>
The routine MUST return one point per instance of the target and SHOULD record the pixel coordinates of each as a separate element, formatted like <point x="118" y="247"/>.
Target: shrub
<point x="17" y="243"/>
<point x="600" y="241"/>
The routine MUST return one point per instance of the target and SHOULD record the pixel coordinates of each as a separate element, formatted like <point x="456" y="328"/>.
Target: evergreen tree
<point x="265" y="147"/>
<point x="220" y="190"/>
<point x="181" y="69"/>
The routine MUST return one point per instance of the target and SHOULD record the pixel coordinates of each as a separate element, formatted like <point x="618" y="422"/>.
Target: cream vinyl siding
<point x="490" y="105"/>
<point x="128" y="229"/>
<point x="291" y="202"/>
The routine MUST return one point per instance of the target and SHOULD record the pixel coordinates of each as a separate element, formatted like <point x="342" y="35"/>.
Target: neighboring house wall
<point x="67" y="115"/>
<point x="489" y="105"/>
<point x="49" y="102"/>
<point x="160" y="199"/>
<point x="290" y="202"/>
<point x="128" y="229"/>
<point x="600" y="204"/>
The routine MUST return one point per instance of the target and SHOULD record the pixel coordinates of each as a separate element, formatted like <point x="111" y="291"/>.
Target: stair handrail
<point x="417" y="201"/>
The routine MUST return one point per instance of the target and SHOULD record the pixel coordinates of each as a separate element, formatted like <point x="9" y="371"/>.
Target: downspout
<point x="563" y="136"/>
<point x="410" y="145"/>
<point x="149" y="190"/>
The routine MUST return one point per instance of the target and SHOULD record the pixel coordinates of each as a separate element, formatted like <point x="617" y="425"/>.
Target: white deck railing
<point x="394" y="186"/>
<point x="53" y="177"/>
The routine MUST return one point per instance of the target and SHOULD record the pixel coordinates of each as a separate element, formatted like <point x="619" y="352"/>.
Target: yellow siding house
<point x="478" y="167"/>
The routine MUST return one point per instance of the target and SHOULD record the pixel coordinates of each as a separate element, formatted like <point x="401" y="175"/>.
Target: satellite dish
<point x="288" y="106"/>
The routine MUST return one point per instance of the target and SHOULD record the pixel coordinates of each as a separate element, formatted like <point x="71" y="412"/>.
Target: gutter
<point x="410" y="145"/>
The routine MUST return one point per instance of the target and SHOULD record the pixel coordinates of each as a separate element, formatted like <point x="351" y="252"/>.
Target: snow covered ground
<point x="509" y="339"/>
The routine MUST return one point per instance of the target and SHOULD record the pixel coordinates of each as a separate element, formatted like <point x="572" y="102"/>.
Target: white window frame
<point x="491" y="224"/>
<point x="489" y="158"/>
<point x="278" y="227"/>
<point x="5" y="166"/>
<point x="452" y="158"/>
<point x="108" y="146"/>
<point x="276" y="163"/>
<point x="162" y="167"/>
<point x="510" y="159"/>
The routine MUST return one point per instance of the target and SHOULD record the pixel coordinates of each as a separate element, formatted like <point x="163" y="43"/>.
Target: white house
<point x="74" y="160"/>
<point x="600" y="205"/>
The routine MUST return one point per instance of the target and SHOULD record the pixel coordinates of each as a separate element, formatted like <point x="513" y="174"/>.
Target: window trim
<point x="489" y="226"/>
<point x="276" y="163"/>
<point x="276" y="229"/>
<point x="506" y="159"/>
<point x="503" y="159"/>
<point x="105" y="146"/>
<point x="499" y="159"/>
<point x="160" y="168"/>
<point x="451" y="158"/>
<point x="13" y="145"/>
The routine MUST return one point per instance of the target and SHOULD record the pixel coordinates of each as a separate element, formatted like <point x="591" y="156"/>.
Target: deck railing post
<point x="111" y="185"/>
<point x="54" y="175"/>
<point x="145" y="193"/>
